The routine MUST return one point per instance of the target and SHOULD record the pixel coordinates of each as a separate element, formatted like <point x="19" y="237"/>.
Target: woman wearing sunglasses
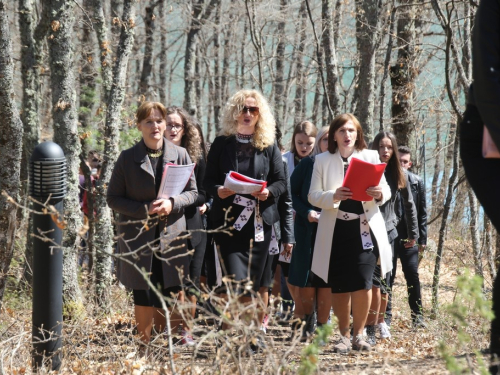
<point x="246" y="144"/>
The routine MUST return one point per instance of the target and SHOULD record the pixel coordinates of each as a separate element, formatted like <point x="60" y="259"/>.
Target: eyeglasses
<point x="175" y="127"/>
<point x="252" y="110"/>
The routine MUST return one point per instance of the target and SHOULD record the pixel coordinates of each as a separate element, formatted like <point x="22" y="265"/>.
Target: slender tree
<point x="104" y="228"/>
<point x="11" y="132"/>
<point x="64" y="116"/>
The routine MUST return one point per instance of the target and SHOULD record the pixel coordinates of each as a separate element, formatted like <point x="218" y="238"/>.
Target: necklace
<point x="244" y="138"/>
<point x="154" y="153"/>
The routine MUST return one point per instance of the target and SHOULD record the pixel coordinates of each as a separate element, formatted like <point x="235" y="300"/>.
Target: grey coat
<point x="130" y="191"/>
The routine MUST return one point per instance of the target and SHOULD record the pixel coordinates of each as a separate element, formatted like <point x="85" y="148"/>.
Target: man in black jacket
<point x="409" y="257"/>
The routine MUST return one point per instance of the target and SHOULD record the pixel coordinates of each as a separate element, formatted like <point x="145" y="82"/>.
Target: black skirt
<point x="351" y="266"/>
<point x="242" y="258"/>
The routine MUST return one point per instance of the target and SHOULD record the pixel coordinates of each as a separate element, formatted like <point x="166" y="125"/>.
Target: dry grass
<point x="105" y="344"/>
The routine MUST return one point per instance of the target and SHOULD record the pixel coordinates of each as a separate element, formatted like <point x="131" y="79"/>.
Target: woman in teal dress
<point x="311" y="288"/>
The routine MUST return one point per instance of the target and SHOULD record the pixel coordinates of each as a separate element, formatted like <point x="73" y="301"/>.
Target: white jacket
<point x="328" y="175"/>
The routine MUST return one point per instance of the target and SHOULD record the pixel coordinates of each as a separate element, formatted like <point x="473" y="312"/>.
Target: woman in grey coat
<point x="143" y="219"/>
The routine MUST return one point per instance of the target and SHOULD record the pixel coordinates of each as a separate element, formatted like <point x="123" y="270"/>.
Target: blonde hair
<point x="317" y="145"/>
<point x="303" y="127"/>
<point x="264" y="134"/>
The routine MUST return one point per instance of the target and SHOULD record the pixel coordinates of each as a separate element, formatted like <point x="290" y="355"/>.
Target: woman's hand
<point x="162" y="207"/>
<point x="224" y="192"/>
<point x="261" y="195"/>
<point x="375" y="192"/>
<point x="313" y="216"/>
<point x="202" y="209"/>
<point x="409" y="243"/>
<point x="287" y="250"/>
<point x="341" y="194"/>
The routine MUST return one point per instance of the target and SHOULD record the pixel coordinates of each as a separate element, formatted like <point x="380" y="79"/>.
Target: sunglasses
<point x="252" y="110"/>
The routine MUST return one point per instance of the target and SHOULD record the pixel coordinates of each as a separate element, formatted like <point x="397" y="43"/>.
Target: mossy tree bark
<point x="104" y="228"/>
<point x="11" y="136"/>
<point x="61" y="16"/>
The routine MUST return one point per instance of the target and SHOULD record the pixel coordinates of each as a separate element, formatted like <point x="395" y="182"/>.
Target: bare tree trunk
<point x="386" y="68"/>
<point x="11" y="145"/>
<point x="488" y="246"/>
<point x="217" y="98"/>
<point x="102" y="34"/>
<point x="147" y="62"/>
<point x="442" y="229"/>
<point x="64" y="114"/>
<point x="320" y="60"/>
<point x="104" y="228"/>
<point x="198" y="13"/>
<point x="163" y="52"/>
<point x="404" y="73"/>
<point x="279" y="82"/>
<point x="367" y="23"/>
<point x="316" y="103"/>
<point x="474" y="233"/>
<point x="329" y="46"/>
<point x="30" y="58"/>
<point x="299" y="68"/>
<point x="437" y="170"/>
<point x="256" y="41"/>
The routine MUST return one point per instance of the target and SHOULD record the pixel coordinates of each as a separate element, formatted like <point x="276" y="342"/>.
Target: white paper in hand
<point x="242" y="184"/>
<point x="174" y="180"/>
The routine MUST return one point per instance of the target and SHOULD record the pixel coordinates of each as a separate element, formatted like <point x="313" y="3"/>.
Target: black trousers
<point x="484" y="178"/>
<point x="409" y="263"/>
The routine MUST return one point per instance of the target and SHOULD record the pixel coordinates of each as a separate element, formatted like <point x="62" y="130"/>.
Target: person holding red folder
<point x="347" y="259"/>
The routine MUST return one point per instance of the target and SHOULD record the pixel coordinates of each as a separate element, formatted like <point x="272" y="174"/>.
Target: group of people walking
<point x="335" y="252"/>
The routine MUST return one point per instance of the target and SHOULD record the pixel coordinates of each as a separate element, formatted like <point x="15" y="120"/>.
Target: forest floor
<point x="107" y="345"/>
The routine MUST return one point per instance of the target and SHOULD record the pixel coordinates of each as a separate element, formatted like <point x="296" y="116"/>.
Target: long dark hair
<point x="190" y="139"/>
<point x="393" y="163"/>
<point x="303" y="127"/>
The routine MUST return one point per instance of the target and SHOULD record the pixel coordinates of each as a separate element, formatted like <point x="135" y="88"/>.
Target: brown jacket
<point x="130" y="191"/>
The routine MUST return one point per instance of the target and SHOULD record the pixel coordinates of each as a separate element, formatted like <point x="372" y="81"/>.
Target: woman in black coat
<point x="246" y="145"/>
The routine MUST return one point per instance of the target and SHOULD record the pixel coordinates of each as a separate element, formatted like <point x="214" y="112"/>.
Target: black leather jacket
<point x="284" y="227"/>
<point x="418" y="192"/>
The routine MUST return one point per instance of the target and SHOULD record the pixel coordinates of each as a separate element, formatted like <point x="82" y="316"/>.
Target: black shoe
<point x="284" y="319"/>
<point x="370" y="334"/>
<point x="419" y="322"/>
<point x="309" y="328"/>
<point x="257" y="345"/>
<point x="296" y="325"/>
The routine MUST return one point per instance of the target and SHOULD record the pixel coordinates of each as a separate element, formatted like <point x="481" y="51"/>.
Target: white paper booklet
<point x="242" y="184"/>
<point x="284" y="257"/>
<point x="174" y="180"/>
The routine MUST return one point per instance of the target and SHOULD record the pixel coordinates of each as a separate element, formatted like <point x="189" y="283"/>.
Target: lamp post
<point x="48" y="186"/>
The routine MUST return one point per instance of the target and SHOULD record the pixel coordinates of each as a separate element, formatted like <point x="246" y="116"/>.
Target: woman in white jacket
<point x="347" y="259"/>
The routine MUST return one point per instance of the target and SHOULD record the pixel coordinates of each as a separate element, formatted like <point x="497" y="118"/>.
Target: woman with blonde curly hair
<point x="247" y="145"/>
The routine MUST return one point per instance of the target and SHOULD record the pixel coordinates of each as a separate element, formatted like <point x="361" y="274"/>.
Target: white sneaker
<point x="385" y="333"/>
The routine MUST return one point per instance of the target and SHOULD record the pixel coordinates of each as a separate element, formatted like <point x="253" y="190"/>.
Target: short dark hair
<point x="404" y="150"/>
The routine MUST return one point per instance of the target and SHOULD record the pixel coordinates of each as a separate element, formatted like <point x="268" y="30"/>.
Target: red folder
<point x="240" y="177"/>
<point x="360" y="176"/>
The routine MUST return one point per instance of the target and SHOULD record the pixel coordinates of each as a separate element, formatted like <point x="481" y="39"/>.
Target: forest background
<point x="75" y="71"/>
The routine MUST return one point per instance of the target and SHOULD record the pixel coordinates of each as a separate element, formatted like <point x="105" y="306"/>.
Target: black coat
<point x="418" y="192"/>
<point x="191" y="212"/>
<point x="486" y="66"/>
<point x="268" y="166"/>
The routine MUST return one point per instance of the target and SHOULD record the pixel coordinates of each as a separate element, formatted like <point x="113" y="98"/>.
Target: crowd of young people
<point x="335" y="252"/>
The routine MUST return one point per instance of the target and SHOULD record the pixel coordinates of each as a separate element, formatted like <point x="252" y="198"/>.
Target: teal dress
<point x="300" y="264"/>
